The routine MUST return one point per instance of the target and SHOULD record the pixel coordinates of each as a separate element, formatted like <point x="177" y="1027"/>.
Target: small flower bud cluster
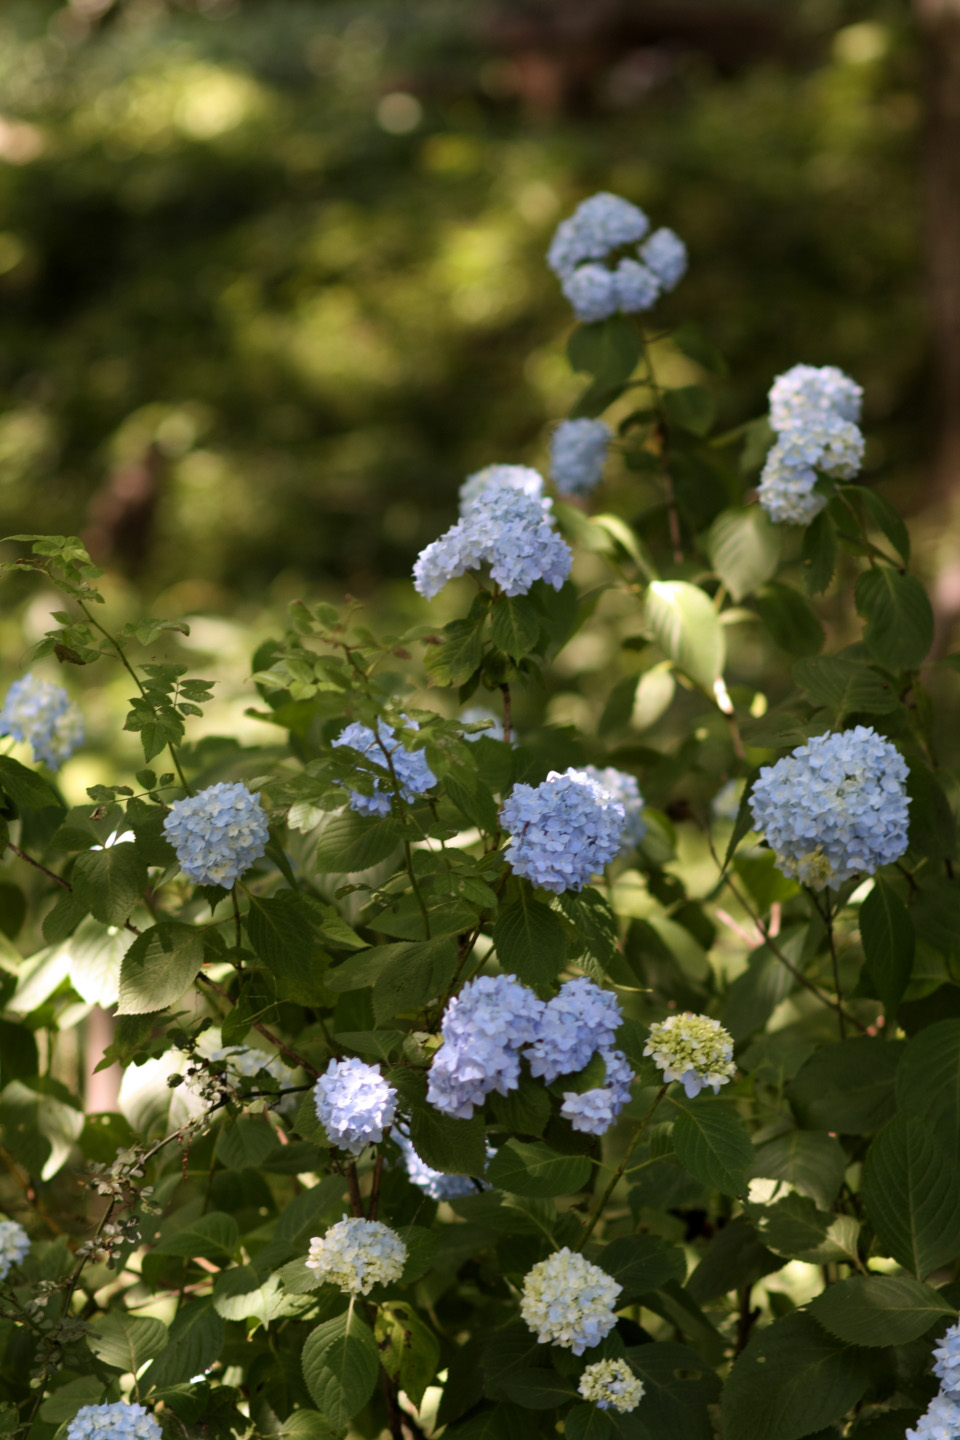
<point x="217" y="833"/>
<point x="476" y="715"/>
<point x="624" y="788"/>
<point x="433" y="1183"/>
<point x="693" y="1049"/>
<point x="358" y="1254"/>
<point x="584" y="245"/>
<point x="613" y="1385"/>
<point x="563" y="830"/>
<point x="484" y="1029"/>
<point x="835" y="807"/>
<point x="503" y="525"/>
<point x="14" y="1246"/>
<point x="570" y="1302"/>
<point x="814" y="412"/>
<point x="354" y="1104"/>
<point x="578" y="453"/>
<point x="384" y="748"/>
<point x="119" y="1421"/>
<point x="43" y="715"/>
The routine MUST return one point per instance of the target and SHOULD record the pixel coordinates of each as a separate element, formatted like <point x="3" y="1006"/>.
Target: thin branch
<point x="286" y="1050"/>
<point x="58" y="879"/>
<point x="507" y="716"/>
<point x="590" y="1226"/>
<point x="826" y="916"/>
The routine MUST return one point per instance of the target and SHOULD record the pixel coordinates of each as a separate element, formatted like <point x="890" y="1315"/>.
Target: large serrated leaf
<point x="911" y="1188"/>
<point x="530" y="941"/>
<point x="796" y="1229"/>
<point x="351" y="842"/>
<point x="126" y="1341"/>
<point x="811" y="1162"/>
<point x="159" y="966"/>
<point x="712" y="1142"/>
<point x="515" y="626"/>
<point x="928" y="1080"/>
<point x="682" y="620"/>
<point x="532" y="1168"/>
<point x="641" y="1263"/>
<point x="847" y="1088"/>
<point x="879" y="1309"/>
<point x="110" y="882"/>
<point x="194" y="1341"/>
<point x="899" y="616"/>
<point x="886" y="930"/>
<point x="340" y="1367"/>
<point x="744" y="549"/>
<point x="844" y="686"/>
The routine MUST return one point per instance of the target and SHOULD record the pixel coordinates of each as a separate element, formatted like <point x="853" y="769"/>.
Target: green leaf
<point x="307" y="1425"/>
<point x="409" y="1352"/>
<point x="159" y="966"/>
<point x="886" y="930"/>
<point x="27" y="789"/>
<point x="755" y="994"/>
<point x="110" y="882"/>
<point x="693" y="342"/>
<point x="735" y="1257"/>
<point x="340" y="1367"/>
<point x="454" y="1146"/>
<point x="125" y="1341"/>
<point x="491" y="1422"/>
<point x="245" y="1142"/>
<point x="588" y="1422"/>
<point x="460" y="655"/>
<point x="796" y="1229"/>
<point x="537" y="1389"/>
<point x="885" y="517"/>
<point x="515" y="625"/>
<point x="911" y="1188"/>
<point x="413" y="979"/>
<point x="532" y="1168"/>
<point x="242" y="1294"/>
<point x="809" y="1161"/>
<point x="690" y="408"/>
<point x="792" y="1380"/>
<point x="712" y="1142"/>
<point x="879" y="1309"/>
<point x="847" y="1088"/>
<point x="789" y="620"/>
<point x="351" y="842"/>
<point x="40" y="1127"/>
<point x="194" y="1341"/>
<point x="744" y="549"/>
<point x="280" y="931"/>
<point x="641" y="1263"/>
<point x="898" y="615"/>
<point x="213" y="1236"/>
<point x="683" y="622"/>
<point x="530" y="940"/>
<point x="608" y="350"/>
<point x="928" y="1081"/>
<point x="844" y="686"/>
<point x="678" y="1391"/>
<point x="819" y="554"/>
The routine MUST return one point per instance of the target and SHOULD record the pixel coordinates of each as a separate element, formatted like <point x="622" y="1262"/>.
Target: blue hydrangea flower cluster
<point x="217" y="833"/>
<point x="575" y="1024"/>
<point x="492" y="479"/>
<point x="504" y="526"/>
<point x="593" y="1111"/>
<point x="625" y="789"/>
<point x="947" y="1361"/>
<point x="578" y="453"/>
<point x="434" y="1183"/>
<point x="484" y="1029"/>
<point x="414" y="775"/>
<point x="815" y="413"/>
<point x="835" y="807"/>
<point x="354" y="1104"/>
<point x="14" y="1246"/>
<point x="584" y="245"/>
<point x="562" y="831"/>
<point x="43" y="715"/>
<point x="476" y="715"/>
<point x="569" y="1301"/>
<point x="940" y="1420"/>
<point x="118" y="1421"/>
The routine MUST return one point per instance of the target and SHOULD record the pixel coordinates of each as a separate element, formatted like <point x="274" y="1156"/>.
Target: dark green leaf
<point x="515" y="625"/>
<point x="453" y="1146"/>
<point x="491" y="1422"/>
<point x="409" y="1351"/>
<point x="844" y="686"/>
<point x="588" y="1422"/>
<point x="928" y="1081"/>
<point x="690" y="408"/>
<point x="885" y="517"/>
<point x="847" y="1088"/>
<point x="693" y="342"/>
<point x="641" y="1263"/>
<point x="532" y="1168"/>
<point x="735" y="1257"/>
<point x="608" y="350"/>
<point x="194" y="1341"/>
<point x="413" y="979"/>
<point x="755" y="994"/>
<point x="159" y="966"/>
<point x="460" y="655"/>
<point x="678" y="1390"/>
<point x="25" y="787"/>
<point x="744" y="549"/>
<point x="340" y="1365"/>
<point x="351" y="842"/>
<point x="530" y="940"/>
<point x="244" y="1143"/>
<point x="796" y="1229"/>
<point x="789" y="619"/>
<point x="280" y="931"/>
<point x="125" y="1341"/>
<point x="712" y="1142"/>
<point x="213" y="1236"/>
<point x="911" y="1188"/>
<point x="110" y="882"/>
<point x="819" y="553"/>
<point x="879" y="1309"/>
<point x="886" y="930"/>
<point x="537" y="1389"/>
<point x="811" y="1162"/>
<point x="899" y="628"/>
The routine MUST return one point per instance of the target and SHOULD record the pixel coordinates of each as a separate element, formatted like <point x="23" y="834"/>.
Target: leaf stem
<point x="590" y="1225"/>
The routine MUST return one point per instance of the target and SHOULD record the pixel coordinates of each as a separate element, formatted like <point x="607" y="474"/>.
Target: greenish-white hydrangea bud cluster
<point x="613" y="1385"/>
<point x="693" y="1049"/>
<point x="357" y="1254"/>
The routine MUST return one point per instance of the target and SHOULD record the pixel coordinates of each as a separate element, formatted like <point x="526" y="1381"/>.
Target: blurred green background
<point x="271" y="271"/>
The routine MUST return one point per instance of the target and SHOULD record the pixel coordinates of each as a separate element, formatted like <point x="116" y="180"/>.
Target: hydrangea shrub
<point x="485" y="1076"/>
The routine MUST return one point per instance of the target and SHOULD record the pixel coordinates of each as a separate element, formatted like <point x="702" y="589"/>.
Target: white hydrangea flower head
<point x="476" y="715"/>
<point x="505" y="528"/>
<point x="666" y="255"/>
<point x="940" y="1420"/>
<point x="693" y="1049"/>
<point x="358" y="1254"/>
<point x="592" y="1112"/>
<point x="42" y="714"/>
<point x="570" y="1302"/>
<point x="598" y="225"/>
<point x="575" y="1024"/>
<point x="354" y="1104"/>
<point x="414" y="775"/>
<point x="835" y="807"/>
<point x="14" y="1246"/>
<point x="217" y="833"/>
<point x="636" y="287"/>
<point x="613" y="1385"/>
<point x="492" y="479"/>
<point x="117" y="1421"/>
<point x="562" y="831"/>
<point x="624" y="788"/>
<point x="578" y="453"/>
<point x="947" y="1361"/>
<point x="434" y="1183"/>
<point x="593" y="293"/>
<point x="808" y="390"/>
<point x="484" y="1029"/>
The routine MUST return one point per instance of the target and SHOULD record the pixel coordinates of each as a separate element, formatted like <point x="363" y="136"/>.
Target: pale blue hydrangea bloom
<point x="484" y="1029"/>
<point x="434" y="1183"/>
<point x="592" y="292"/>
<point x="835" y="807"/>
<point x="940" y="1420"/>
<point x="14" y="1246"/>
<point x="575" y="1024"/>
<point x="947" y="1361"/>
<point x="635" y="286"/>
<point x="593" y="1111"/>
<point x="808" y="390"/>
<point x="694" y="1049"/>
<point x="623" y="787"/>
<point x="597" y="226"/>
<point x="562" y="831"/>
<point x="479" y="486"/>
<point x="414" y="775"/>
<point x="354" y="1104"/>
<point x="357" y="1254"/>
<point x="475" y="715"/>
<point x="43" y="715"/>
<point x="786" y="491"/>
<point x="612" y="1385"/>
<point x="118" y="1421"/>
<point x="505" y="528"/>
<point x="578" y="453"/>
<point x="666" y="255"/>
<point x="217" y="833"/>
<point x="569" y="1301"/>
